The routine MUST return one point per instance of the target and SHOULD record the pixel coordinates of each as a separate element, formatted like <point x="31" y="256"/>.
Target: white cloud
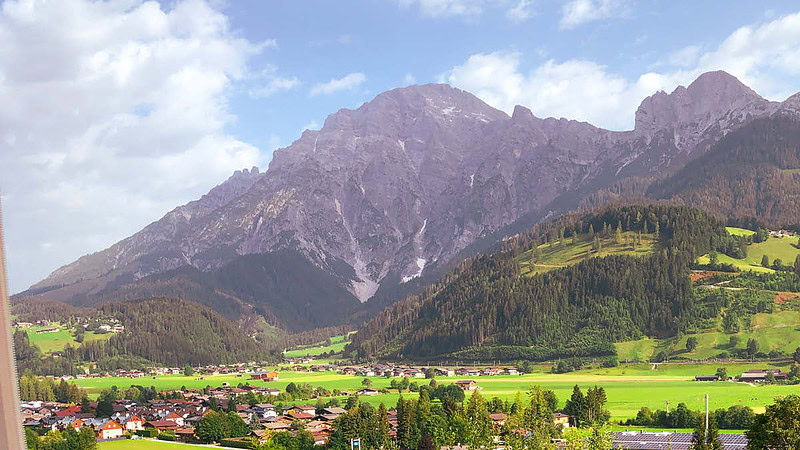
<point x="439" y="8"/>
<point x="347" y="82"/>
<point x="111" y="114"/>
<point x="765" y="57"/>
<point x="578" y="12"/>
<point x="409" y="79"/>
<point x="685" y="57"/>
<point x="521" y="12"/>
<point x="274" y="85"/>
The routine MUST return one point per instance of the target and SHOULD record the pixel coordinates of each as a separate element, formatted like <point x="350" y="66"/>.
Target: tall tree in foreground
<point x="702" y="440"/>
<point x="778" y="427"/>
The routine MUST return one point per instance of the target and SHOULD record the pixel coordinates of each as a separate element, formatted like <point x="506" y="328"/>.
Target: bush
<point x="167" y="436"/>
<point x="239" y="443"/>
<point x="147" y="432"/>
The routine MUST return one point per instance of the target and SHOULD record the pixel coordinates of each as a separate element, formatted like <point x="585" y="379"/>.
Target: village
<point x="175" y="418"/>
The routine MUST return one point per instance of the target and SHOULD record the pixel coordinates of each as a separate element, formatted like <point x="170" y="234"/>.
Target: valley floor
<point x="628" y="387"/>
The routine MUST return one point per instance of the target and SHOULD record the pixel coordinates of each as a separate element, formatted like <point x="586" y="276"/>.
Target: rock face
<point x="396" y="189"/>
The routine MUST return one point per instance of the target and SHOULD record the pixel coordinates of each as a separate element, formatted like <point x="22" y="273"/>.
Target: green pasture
<point x="739" y="231"/>
<point x="776" y="331"/>
<point x="144" y="444"/>
<point x="774" y="247"/>
<point x="629" y="387"/>
<point x="555" y="255"/>
<point x="56" y="341"/>
<point x="337" y="345"/>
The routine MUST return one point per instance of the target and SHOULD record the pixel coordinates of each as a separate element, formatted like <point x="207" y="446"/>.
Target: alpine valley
<point x="390" y="197"/>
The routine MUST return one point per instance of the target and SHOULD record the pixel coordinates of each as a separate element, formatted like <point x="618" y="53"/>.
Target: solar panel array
<point x="636" y="440"/>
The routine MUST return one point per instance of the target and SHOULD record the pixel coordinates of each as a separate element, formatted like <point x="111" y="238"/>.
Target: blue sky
<point x="388" y="41"/>
<point x="112" y="113"/>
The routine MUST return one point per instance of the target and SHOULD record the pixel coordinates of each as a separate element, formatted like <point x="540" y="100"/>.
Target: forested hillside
<point x="488" y="311"/>
<point x="753" y="172"/>
<point x="163" y="331"/>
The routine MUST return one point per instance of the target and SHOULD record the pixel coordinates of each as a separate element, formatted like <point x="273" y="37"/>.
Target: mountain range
<point x="387" y="197"/>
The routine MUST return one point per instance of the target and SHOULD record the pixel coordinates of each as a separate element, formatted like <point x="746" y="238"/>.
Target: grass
<point x="775" y="331"/>
<point x="774" y="247"/>
<point x="739" y="231"/>
<point x="640" y="350"/>
<point x="337" y="345"/>
<point x="556" y="255"/>
<point x="143" y="444"/>
<point x="56" y="341"/>
<point x="628" y="387"/>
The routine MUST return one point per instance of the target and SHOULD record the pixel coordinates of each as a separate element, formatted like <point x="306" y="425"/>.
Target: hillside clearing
<point x="555" y="255"/>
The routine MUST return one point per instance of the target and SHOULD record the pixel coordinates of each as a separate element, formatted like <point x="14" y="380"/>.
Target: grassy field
<point x="555" y="255"/>
<point x="777" y="331"/>
<point x="337" y="345"/>
<point x="628" y="387"/>
<point x="144" y="444"/>
<point x="774" y="247"/>
<point x="739" y="231"/>
<point x="56" y="341"/>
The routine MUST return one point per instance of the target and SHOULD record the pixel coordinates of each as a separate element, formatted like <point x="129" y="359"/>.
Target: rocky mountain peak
<point x="710" y="97"/>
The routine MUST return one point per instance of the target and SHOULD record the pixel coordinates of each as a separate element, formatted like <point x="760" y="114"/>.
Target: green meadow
<point x="56" y="341"/>
<point x="555" y="255"/>
<point x="144" y="444"/>
<point x="629" y="387"/>
<point x="774" y="247"/>
<point x="337" y="345"/>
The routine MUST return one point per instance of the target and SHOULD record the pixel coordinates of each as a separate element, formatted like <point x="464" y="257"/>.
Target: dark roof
<point x="636" y="440"/>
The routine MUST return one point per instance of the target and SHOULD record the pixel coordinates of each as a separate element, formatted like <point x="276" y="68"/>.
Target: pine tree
<point x="706" y="441"/>
<point x="591" y="232"/>
<point x="618" y="234"/>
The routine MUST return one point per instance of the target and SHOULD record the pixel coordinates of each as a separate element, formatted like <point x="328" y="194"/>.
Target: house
<point x="175" y="417"/>
<point x="264" y="375"/>
<point x="760" y="376"/>
<point x="162" y="425"/>
<point x="511" y="371"/>
<point x="296" y="415"/>
<point x="71" y="411"/>
<point x="706" y="378"/>
<point x="498" y="419"/>
<point x="467" y="385"/>
<point x="24" y="324"/>
<point x="334" y="410"/>
<point x="443" y="372"/>
<point x="368" y="392"/>
<point x="108" y="429"/>
<point x="561" y="419"/>
<point x="47" y="330"/>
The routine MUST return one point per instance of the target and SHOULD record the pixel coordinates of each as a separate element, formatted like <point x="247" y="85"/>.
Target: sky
<point x="112" y="113"/>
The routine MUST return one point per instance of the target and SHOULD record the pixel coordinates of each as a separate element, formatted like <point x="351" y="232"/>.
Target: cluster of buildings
<point x="178" y="416"/>
<point x="381" y="370"/>
<point x="751" y="376"/>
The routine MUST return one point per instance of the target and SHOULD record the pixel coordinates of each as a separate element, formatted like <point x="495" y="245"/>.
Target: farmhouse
<point x="444" y="372"/>
<point x="467" y="385"/>
<point x="107" y="429"/>
<point x="760" y="376"/>
<point x="368" y="392"/>
<point x="264" y="376"/>
<point x="47" y="330"/>
<point x="561" y="419"/>
<point x="706" y="378"/>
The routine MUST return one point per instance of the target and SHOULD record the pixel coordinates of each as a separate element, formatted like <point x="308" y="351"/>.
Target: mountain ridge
<point x="390" y="193"/>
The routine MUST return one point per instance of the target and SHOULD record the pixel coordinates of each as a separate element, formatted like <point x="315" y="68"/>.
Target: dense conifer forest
<point x="487" y="307"/>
